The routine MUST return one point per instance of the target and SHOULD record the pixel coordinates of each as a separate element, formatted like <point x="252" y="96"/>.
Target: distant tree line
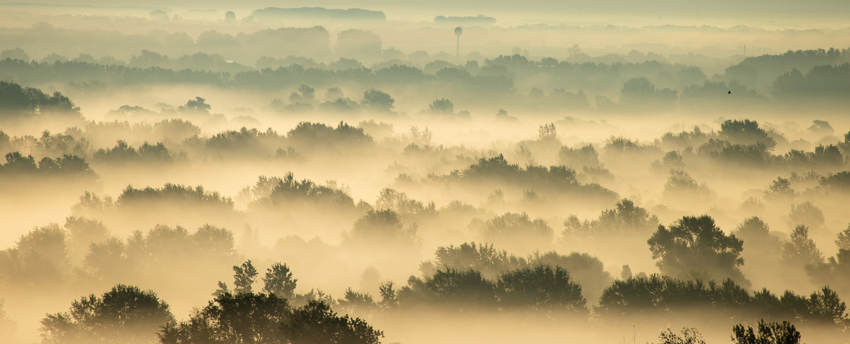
<point x="646" y="86"/>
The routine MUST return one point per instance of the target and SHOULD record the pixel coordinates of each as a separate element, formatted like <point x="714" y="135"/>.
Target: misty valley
<point x="198" y="174"/>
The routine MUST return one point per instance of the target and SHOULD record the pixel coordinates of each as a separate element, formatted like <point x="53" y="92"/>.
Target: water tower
<point x="458" y="32"/>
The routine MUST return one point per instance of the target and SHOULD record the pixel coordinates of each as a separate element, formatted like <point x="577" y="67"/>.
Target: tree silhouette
<point x="278" y="280"/>
<point x="780" y="189"/>
<point x="547" y="132"/>
<point x="442" y="106"/>
<point x="38" y="261"/>
<point x="484" y="258"/>
<point x="196" y="105"/>
<point x="540" y="288"/>
<point x="579" y="157"/>
<point x="381" y="227"/>
<point x="639" y="92"/>
<point x="626" y="220"/>
<point x="839" y="182"/>
<point x="389" y="299"/>
<point x="826" y="307"/>
<point x="584" y="269"/>
<point x="233" y="318"/>
<point x="682" y="188"/>
<point x="278" y="192"/>
<point x="695" y="248"/>
<point x="689" y="336"/>
<point x="517" y="232"/>
<point x="244" y="277"/>
<point x="843" y="239"/>
<point x="406" y="207"/>
<point x="835" y="272"/>
<point x="761" y="247"/>
<point x="356" y="303"/>
<point x="745" y="132"/>
<point x="26" y="102"/>
<point x="377" y="101"/>
<point x="806" y="214"/>
<point x="799" y="250"/>
<point x="460" y="290"/>
<point x="768" y="333"/>
<point x="317" y="323"/>
<point x="162" y="251"/>
<point x="124" y="314"/>
<point x="639" y="296"/>
<point x="83" y="232"/>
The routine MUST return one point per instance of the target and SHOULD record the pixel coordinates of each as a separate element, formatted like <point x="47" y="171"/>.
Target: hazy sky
<point x="781" y="10"/>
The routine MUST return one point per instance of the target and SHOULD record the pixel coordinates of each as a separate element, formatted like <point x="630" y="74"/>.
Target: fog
<point x="336" y="172"/>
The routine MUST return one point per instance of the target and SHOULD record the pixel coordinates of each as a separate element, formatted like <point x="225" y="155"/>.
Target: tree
<point x="406" y="207"/>
<point x="377" y="101"/>
<point x="753" y="229"/>
<point x="768" y="333"/>
<point x="780" y="189"/>
<point x="388" y="295"/>
<point x="243" y="279"/>
<point x="124" y="314"/>
<point x="304" y="95"/>
<point x="640" y="92"/>
<point x="541" y="288"/>
<point x="484" y="258"/>
<point x="682" y="188"/>
<point x="806" y="214"/>
<point x="517" y="232"/>
<point x="627" y="220"/>
<point x="279" y="281"/>
<point x="14" y="54"/>
<point x="586" y="270"/>
<point x="838" y="183"/>
<point x="638" y="88"/>
<point x="121" y="153"/>
<point x="26" y="102"/>
<point x="835" y="272"/>
<point x="800" y="250"/>
<point x="83" y="232"/>
<point x="745" y="132"/>
<point x="442" y="106"/>
<point x="460" y="290"/>
<point x="244" y="318"/>
<point x="695" y="248"/>
<point x="384" y="228"/>
<point x="356" y="303"/>
<point x="689" y="336"/>
<point x="843" y="240"/>
<point x="579" y="157"/>
<point x="826" y="307"/>
<point x="198" y="105"/>
<point x="761" y="247"/>
<point x="649" y="295"/>
<point x="317" y="323"/>
<point x="276" y="192"/>
<point x="39" y="260"/>
<point x="672" y="160"/>
<point x="548" y="132"/>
